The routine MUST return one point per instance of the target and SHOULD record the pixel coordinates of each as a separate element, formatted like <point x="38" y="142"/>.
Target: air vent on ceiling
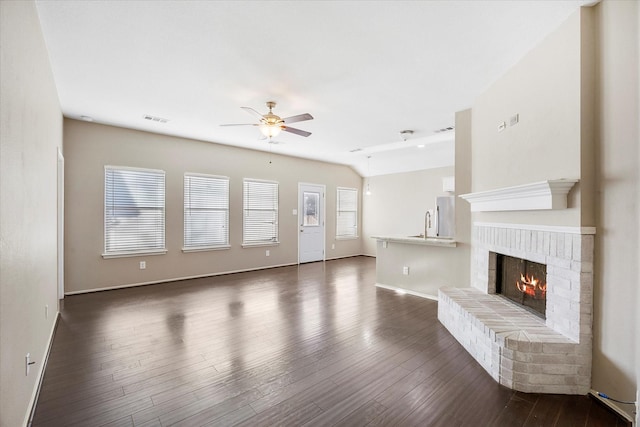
<point x="155" y="119"/>
<point x="447" y="129"/>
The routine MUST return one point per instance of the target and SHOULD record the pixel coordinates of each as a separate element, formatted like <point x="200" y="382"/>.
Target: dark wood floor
<point x="311" y="345"/>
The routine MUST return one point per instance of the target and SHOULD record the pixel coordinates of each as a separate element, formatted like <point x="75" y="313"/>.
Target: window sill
<point x="206" y="248"/>
<point x="133" y="254"/>
<point x="253" y="245"/>
<point x="347" y="237"/>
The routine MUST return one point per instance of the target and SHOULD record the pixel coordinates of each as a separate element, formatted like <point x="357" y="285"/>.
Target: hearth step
<point x="513" y="345"/>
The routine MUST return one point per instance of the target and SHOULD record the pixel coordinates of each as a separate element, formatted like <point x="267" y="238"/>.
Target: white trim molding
<point x="400" y="290"/>
<point x="543" y="195"/>
<point x="549" y="228"/>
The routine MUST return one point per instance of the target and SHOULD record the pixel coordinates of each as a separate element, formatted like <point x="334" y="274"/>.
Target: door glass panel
<point x="311" y="203"/>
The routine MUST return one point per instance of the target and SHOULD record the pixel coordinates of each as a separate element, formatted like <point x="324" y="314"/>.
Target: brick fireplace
<point x="520" y="349"/>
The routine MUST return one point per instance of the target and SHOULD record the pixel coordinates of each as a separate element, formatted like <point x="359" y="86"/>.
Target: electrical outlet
<point x="333" y="246"/>
<point x="267" y="253"/>
<point x="143" y="265"/>
<point x="513" y="120"/>
<point x="405" y="270"/>
<point x="46" y="311"/>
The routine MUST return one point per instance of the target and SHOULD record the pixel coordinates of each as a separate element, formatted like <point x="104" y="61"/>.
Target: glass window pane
<point x="134" y="214"/>
<point x="347" y="213"/>
<point x="206" y="211"/>
<point x="260" y="218"/>
<point x="311" y="203"/>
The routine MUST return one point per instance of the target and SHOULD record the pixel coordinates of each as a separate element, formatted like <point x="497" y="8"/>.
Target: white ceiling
<point x="364" y="69"/>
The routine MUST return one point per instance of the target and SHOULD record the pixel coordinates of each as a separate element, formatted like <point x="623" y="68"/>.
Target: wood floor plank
<point x="487" y="399"/>
<point x="436" y="406"/>
<point x="232" y="418"/>
<point x="349" y="398"/>
<point x="75" y="401"/>
<point x="545" y="412"/>
<point x="517" y="409"/>
<point x="303" y="390"/>
<point x="283" y="415"/>
<point x="154" y="412"/>
<point x="363" y="415"/>
<point x="208" y="410"/>
<point x="314" y="344"/>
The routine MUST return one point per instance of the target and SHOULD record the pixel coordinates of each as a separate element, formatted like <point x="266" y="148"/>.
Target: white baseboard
<point x="614" y="407"/>
<point x="28" y="418"/>
<point x="407" y="291"/>
<point x="175" y="279"/>
<point x="199" y="276"/>
<point x="347" y="256"/>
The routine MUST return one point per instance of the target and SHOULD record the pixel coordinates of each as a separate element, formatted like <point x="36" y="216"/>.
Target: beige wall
<point x="398" y="203"/>
<point x="31" y="132"/>
<point x="397" y="207"/>
<point x="616" y="369"/>
<point x="544" y="89"/>
<point x="577" y="95"/>
<point x="89" y="147"/>
<point x="463" y="176"/>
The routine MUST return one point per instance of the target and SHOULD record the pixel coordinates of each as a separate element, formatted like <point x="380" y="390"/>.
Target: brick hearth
<point x="517" y="348"/>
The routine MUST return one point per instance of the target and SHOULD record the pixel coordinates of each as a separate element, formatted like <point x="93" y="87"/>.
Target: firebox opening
<point x="523" y="282"/>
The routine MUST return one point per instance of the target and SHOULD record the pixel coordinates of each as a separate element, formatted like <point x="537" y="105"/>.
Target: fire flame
<point x="529" y="285"/>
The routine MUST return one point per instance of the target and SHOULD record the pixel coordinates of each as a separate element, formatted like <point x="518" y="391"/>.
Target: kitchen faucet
<point x="427" y="222"/>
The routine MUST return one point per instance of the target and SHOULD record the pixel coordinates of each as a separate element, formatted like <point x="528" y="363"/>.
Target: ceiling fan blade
<point x="298" y="118"/>
<point x="241" y="124"/>
<point x="296" y="131"/>
<point x="253" y="112"/>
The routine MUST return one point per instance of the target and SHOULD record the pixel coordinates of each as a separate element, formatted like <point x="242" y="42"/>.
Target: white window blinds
<point x="134" y="213"/>
<point x="260" y="217"/>
<point x="347" y="213"/>
<point x="206" y="211"/>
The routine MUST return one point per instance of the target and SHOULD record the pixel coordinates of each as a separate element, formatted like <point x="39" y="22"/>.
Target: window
<point x="260" y="217"/>
<point x="311" y="202"/>
<point x="206" y="212"/>
<point x="347" y="213"/>
<point x="133" y="211"/>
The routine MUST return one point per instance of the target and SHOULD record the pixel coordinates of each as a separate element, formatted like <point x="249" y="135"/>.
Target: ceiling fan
<point x="270" y="124"/>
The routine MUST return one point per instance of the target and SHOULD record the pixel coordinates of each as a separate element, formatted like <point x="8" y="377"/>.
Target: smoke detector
<point x="406" y="134"/>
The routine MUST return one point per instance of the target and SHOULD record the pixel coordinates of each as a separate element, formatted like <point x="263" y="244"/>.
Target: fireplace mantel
<point x="551" y="194"/>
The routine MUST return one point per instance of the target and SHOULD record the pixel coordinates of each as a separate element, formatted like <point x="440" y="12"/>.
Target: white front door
<point x="311" y="220"/>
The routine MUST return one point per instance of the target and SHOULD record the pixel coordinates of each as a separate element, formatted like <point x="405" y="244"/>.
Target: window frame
<point x="107" y="254"/>
<point x="253" y="243"/>
<point x="354" y="236"/>
<point x="193" y="248"/>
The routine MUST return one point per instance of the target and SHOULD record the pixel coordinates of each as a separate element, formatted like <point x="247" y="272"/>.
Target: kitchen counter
<point x="429" y="241"/>
<point x="420" y="266"/>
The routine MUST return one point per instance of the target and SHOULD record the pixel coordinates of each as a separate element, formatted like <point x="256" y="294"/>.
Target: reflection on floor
<point x="317" y="344"/>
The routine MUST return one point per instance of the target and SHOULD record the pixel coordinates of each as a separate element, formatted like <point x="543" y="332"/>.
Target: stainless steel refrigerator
<point x="445" y="216"/>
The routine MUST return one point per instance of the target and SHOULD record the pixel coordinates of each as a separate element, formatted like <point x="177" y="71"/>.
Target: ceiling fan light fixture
<point x="271" y="124"/>
<point x="270" y="130"/>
